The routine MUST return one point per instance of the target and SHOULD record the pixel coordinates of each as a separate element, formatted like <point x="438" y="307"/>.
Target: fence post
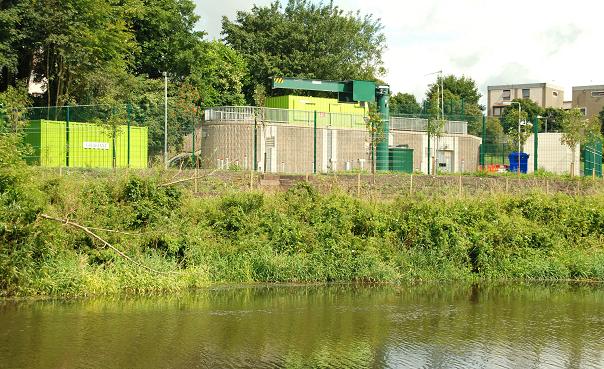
<point x="484" y="140"/>
<point x="314" y="165"/>
<point x="128" y="109"/>
<point x="536" y="134"/>
<point x="67" y="136"/>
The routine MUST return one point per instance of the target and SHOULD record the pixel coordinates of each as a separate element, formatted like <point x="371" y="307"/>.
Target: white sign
<point x="96" y="145"/>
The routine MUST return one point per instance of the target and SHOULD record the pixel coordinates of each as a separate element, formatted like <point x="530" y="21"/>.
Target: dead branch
<point x="99" y="238"/>
<point x="186" y="179"/>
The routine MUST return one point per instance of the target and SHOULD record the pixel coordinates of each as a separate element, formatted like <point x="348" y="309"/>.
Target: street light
<point x="546" y="118"/>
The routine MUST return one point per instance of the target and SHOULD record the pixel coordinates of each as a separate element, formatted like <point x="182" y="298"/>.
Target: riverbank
<point x="173" y="239"/>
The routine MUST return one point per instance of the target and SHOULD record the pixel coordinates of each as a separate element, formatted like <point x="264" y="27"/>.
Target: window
<point x="526" y="93"/>
<point x="506" y="95"/>
<point x="583" y="111"/>
<point x="496" y="111"/>
<point x="597" y="93"/>
<point x="555" y="93"/>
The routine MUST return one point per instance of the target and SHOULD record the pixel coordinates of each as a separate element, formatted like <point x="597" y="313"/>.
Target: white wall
<point x="553" y="156"/>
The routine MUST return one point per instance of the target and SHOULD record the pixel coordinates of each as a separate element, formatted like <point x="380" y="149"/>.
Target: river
<point x="326" y="326"/>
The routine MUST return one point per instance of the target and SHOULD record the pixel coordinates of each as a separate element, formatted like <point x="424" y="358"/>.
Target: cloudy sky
<point x="492" y="41"/>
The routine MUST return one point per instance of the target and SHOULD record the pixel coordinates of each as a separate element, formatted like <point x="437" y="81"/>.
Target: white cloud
<point x="491" y="41"/>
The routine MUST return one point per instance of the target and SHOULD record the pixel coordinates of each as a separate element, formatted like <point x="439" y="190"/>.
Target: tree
<point x="553" y="118"/>
<point x="404" y="103"/>
<point x="601" y="116"/>
<point x="217" y="73"/>
<point x="375" y="128"/>
<point x="461" y="98"/>
<point x="305" y="40"/>
<point x="578" y="130"/>
<point x="517" y="128"/>
<point x="164" y="31"/>
<point x="510" y="113"/>
<point x="494" y="131"/>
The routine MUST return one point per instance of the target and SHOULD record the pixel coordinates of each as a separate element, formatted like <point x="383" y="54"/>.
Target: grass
<point x="299" y="236"/>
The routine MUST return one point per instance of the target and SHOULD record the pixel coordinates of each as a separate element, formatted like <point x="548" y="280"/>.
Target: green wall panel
<point x="90" y="145"/>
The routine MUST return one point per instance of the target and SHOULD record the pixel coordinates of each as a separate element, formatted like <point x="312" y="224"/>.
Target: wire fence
<point x="293" y="141"/>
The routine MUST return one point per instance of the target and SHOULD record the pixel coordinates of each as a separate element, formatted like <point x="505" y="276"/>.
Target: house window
<point x="496" y="111"/>
<point x="506" y="95"/>
<point x="583" y="111"/>
<point x="555" y="93"/>
<point x="597" y="93"/>
<point x="526" y="93"/>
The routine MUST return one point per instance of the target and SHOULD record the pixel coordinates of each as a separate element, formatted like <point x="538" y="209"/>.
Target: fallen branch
<point x="99" y="238"/>
<point x="187" y="179"/>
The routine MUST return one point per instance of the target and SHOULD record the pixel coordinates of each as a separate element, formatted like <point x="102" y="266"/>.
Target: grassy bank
<point x="173" y="240"/>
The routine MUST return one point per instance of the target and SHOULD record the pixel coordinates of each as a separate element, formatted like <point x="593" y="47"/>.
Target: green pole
<point x="67" y="137"/>
<point x="462" y="106"/>
<point x="314" y="163"/>
<point x="484" y="140"/>
<point x="128" y="109"/>
<point x="255" y="144"/>
<point x="536" y="134"/>
<point x="383" y="95"/>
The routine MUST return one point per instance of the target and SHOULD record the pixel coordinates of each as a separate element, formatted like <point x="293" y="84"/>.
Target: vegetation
<point x="403" y="104"/>
<point x="461" y="98"/>
<point x="306" y="40"/>
<point x="297" y="236"/>
<point x="578" y="130"/>
<point x="530" y="111"/>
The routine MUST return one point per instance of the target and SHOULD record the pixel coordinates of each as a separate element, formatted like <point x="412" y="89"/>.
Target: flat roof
<point x="592" y="87"/>
<point x="524" y="85"/>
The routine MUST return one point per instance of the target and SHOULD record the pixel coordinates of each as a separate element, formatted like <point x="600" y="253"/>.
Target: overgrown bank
<point x="296" y="236"/>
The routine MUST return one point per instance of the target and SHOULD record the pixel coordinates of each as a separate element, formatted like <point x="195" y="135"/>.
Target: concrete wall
<point x="552" y="156"/>
<point x="582" y="98"/>
<point x="288" y="148"/>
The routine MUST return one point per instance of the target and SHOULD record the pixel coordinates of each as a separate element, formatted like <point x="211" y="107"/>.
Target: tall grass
<point x="297" y="236"/>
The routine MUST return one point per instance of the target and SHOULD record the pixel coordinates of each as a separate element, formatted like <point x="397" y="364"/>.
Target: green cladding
<point x="90" y="145"/>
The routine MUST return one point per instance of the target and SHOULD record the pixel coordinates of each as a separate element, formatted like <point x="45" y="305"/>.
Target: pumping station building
<point x="301" y="134"/>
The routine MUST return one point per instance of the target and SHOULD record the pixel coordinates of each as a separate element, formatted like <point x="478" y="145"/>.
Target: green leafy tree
<point x="601" y="116"/>
<point x="375" y="128"/>
<point x="494" y="131"/>
<point x="530" y="111"/>
<point x="218" y="73"/>
<point x="461" y="98"/>
<point x="404" y="103"/>
<point x="306" y="40"/>
<point x="578" y="130"/>
<point x="518" y="128"/>
<point x="553" y="118"/>
<point x="164" y="31"/>
<point x="13" y="108"/>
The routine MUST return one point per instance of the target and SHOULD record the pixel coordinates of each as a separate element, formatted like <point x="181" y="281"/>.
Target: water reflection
<point x="479" y="326"/>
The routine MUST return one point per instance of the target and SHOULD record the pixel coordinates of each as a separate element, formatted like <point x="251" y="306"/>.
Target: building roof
<point x="524" y="85"/>
<point x="592" y="87"/>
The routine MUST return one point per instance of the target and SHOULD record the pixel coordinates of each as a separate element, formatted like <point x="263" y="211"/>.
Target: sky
<point x="493" y="42"/>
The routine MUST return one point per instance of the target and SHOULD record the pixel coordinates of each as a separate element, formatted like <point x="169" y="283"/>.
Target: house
<point x="543" y="94"/>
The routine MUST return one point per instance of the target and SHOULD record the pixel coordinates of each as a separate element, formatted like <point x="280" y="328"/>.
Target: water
<point x="341" y="326"/>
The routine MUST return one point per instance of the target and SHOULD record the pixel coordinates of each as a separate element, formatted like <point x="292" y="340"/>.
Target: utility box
<point x="401" y="159"/>
<point x="86" y="145"/>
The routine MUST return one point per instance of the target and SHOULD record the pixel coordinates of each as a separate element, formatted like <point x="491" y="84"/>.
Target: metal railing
<point x="421" y="125"/>
<point x="247" y="114"/>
